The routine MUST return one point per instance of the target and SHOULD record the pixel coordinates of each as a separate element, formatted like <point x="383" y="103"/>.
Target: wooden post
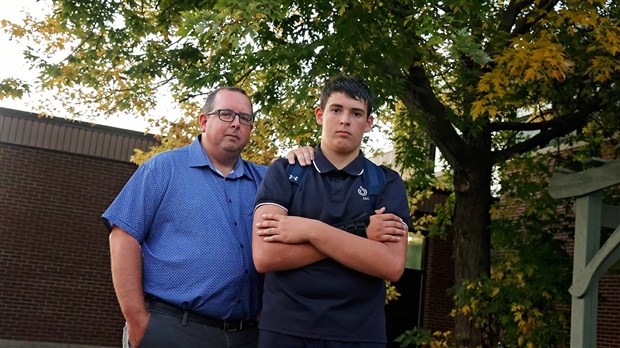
<point x="590" y="260"/>
<point x="587" y="242"/>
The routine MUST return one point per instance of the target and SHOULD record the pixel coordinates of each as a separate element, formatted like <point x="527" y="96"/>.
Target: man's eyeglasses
<point x="227" y="115"/>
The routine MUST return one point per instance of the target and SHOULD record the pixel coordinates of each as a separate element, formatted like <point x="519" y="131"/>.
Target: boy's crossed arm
<point x="282" y="242"/>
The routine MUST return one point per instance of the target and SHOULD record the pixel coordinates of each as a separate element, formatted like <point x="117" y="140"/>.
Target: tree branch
<point x="557" y="128"/>
<point x="419" y="95"/>
<point x="509" y="17"/>
<point x="526" y="23"/>
<point x="525" y="126"/>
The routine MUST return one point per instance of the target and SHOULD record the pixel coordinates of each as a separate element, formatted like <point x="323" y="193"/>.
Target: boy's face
<point x="344" y="123"/>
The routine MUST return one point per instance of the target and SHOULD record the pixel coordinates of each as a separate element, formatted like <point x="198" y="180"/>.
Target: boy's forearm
<point x="281" y="257"/>
<point x="381" y="260"/>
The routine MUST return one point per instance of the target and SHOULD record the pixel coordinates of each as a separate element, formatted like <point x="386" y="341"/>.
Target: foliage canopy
<point x="469" y="76"/>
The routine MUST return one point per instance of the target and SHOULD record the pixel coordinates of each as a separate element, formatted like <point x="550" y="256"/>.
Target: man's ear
<point x="318" y="115"/>
<point x="202" y="122"/>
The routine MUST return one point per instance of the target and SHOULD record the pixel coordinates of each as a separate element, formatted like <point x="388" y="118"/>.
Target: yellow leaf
<point x="518" y="316"/>
<point x="477" y="109"/>
<point x="530" y="74"/>
<point x="495" y="291"/>
<point x="465" y="310"/>
<point x="483" y="87"/>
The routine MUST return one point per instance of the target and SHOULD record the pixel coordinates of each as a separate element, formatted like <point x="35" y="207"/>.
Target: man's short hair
<point x="208" y="107"/>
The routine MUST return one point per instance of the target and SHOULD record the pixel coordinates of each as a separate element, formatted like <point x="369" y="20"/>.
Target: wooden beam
<point x="582" y="183"/>
<point x="606" y="257"/>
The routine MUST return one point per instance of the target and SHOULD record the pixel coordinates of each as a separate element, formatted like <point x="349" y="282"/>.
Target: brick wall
<point x="438" y="272"/>
<point x="608" y="310"/>
<point x="55" y="282"/>
<point x="439" y="278"/>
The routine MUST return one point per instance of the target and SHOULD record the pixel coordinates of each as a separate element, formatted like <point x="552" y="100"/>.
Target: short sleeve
<point x="276" y="186"/>
<point x="134" y="208"/>
<point x="394" y="196"/>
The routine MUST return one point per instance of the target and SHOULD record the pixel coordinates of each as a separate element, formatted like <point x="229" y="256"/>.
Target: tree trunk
<point x="472" y="242"/>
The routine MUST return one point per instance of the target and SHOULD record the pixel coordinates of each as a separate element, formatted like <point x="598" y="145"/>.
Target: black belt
<point x="226" y="325"/>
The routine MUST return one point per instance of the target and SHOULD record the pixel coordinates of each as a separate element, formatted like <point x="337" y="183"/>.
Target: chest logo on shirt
<point x="294" y="178"/>
<point x="363" y="192"/>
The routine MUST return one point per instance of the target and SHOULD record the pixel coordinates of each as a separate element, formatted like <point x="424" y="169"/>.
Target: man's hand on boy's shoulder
<point x="304" y="155"/>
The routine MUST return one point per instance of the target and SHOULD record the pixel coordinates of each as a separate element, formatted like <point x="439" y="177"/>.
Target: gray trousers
<point x="166" y="331"/>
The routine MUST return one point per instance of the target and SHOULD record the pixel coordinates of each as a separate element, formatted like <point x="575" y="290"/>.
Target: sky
<point x="13" y="64"/>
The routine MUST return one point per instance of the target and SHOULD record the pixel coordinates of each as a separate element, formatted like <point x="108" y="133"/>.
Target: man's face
<point x="344" y="122"/>
<point x="227" y="136"/>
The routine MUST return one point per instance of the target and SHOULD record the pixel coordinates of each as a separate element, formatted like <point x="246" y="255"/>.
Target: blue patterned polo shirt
<point x="195" y="227"/>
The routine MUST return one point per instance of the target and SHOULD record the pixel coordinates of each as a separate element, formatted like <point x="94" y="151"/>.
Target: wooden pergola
<point x="591" y="260"/>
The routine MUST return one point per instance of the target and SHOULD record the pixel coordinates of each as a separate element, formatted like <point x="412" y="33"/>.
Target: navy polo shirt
<point x="327" y="300"/>
<point x="194" y="227"/>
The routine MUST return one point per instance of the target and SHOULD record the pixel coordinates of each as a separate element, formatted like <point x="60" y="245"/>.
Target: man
<point x="324" y="286"/>
<point x="180" y="240"/>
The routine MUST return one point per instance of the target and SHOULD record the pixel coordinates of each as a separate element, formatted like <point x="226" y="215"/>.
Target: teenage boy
<point x="324" y="282"/>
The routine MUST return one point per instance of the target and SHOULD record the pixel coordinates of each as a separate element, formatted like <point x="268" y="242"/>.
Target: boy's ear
<point x="318" y="115"/>
<point x="369" y="121"/>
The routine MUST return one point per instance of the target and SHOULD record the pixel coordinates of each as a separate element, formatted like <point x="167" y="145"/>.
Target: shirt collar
<point x="198" y="158"/>
<point x="323" y="165"/>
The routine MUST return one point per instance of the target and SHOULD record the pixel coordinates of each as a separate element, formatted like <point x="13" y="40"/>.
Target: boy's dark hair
<point x="208" y="107"/>
<point x="351" y="86"/>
